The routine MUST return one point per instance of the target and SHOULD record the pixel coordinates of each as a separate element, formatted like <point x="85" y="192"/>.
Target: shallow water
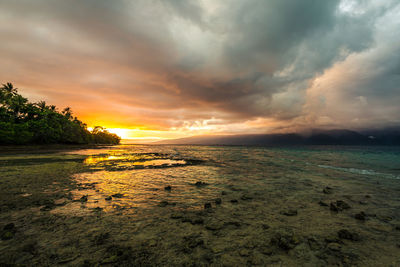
<point x="269" y="206"/>
<point x="140" y="172"/>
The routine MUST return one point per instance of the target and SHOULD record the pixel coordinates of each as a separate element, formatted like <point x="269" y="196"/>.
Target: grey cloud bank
<point x="254" y="65"/>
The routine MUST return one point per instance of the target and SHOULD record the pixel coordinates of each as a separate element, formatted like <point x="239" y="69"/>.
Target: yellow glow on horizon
<point x="143" y="135"/>
<point x="123" y="133"/>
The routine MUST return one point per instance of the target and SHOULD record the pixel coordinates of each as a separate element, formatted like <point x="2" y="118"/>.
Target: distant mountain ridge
<point x="314" y="137"/>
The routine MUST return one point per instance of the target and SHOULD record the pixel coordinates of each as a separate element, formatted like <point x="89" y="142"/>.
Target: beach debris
<point x="223" y="193"/>
<point x="327" y="190"/>
<point x="108" y="198"/>
<point x="218" y="201"/>
<point x="339" y="205"/>
<point x="118" y="195"/>
<point x="168" y="188"/>
<point x="360" y="216"/>
<point x="346" y="234"/>
<point x="84" y="198"/>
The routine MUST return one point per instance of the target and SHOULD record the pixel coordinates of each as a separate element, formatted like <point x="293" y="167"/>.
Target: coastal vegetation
<point x="23" y="122"/>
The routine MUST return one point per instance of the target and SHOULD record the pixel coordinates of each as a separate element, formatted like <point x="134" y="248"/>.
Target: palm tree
<point x="41" y="105"/>
<point x="9" y="88"/>
<point x="67" y="112"/>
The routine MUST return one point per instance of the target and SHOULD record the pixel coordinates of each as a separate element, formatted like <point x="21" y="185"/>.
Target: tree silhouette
<point x="22" y="122"/>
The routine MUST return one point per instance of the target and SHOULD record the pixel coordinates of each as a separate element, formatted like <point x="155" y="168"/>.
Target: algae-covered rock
<point x="290" y="212"/>
<point x="285" y="240"/>
<point x="339" y="205"/>
<point x="360" y="216"/>
<point x="346" y="234"/>
<point x="327" y="190"/>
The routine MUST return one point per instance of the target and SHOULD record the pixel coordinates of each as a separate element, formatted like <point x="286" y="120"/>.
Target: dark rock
<point x="397" y="227"/>
<point x="346" y="234"/>
<point x="48" y="207"/>
<point x="323" y="204"/>
<point x="367" y="196"/>
<point x="176" y="216"/>
<point x="100" y="239"/>
<point x="191" y="242"/>
<point x="8" y="232"/>
<point x="339" y="205"/>
<point x="200" y="184"/>
<point x="384" y="218"/>
<point x="7" y="235"/>
<point x="218" y="201"/>
<point x="84" y="198"/>
<point x="30" y="247"/>
<point x="214" y="224"/>
<point x="108" y="198"/>
<point x="163" y="203"/>
<point x="223" y="193"/>
<point x="168" y="188"/>
<point x="290" y="212"/>
<point x="246" y="197"/>
<point x="233" y="223"/>
<point x="244" y="252"/>
<point x="9" y="226"/>
<point x="118" y="195"/>
<point x="314" y="243"/>
<point x="234" y="201"/>
<point x="265" y="226"/>
<point x="285" y="241"/>
<point x="327" y="190"/>
<point x="193" y="219"/>
<point x="334" y="246"/>
<point x="360" y="216"/>
<point x="207" y="206"/>
<point x="343" y="205"/>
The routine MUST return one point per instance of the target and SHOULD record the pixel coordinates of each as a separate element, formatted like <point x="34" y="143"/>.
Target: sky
<point x="160" y="69"/>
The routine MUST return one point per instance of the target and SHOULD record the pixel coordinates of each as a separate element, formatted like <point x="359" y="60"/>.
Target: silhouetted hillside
<point x="315" y="137"/>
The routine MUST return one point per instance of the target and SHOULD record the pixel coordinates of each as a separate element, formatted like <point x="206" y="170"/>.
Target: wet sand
<point x="54" y="212"/>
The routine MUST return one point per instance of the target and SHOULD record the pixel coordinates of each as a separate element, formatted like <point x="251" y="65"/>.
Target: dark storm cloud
<point x="174" y="62"/>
